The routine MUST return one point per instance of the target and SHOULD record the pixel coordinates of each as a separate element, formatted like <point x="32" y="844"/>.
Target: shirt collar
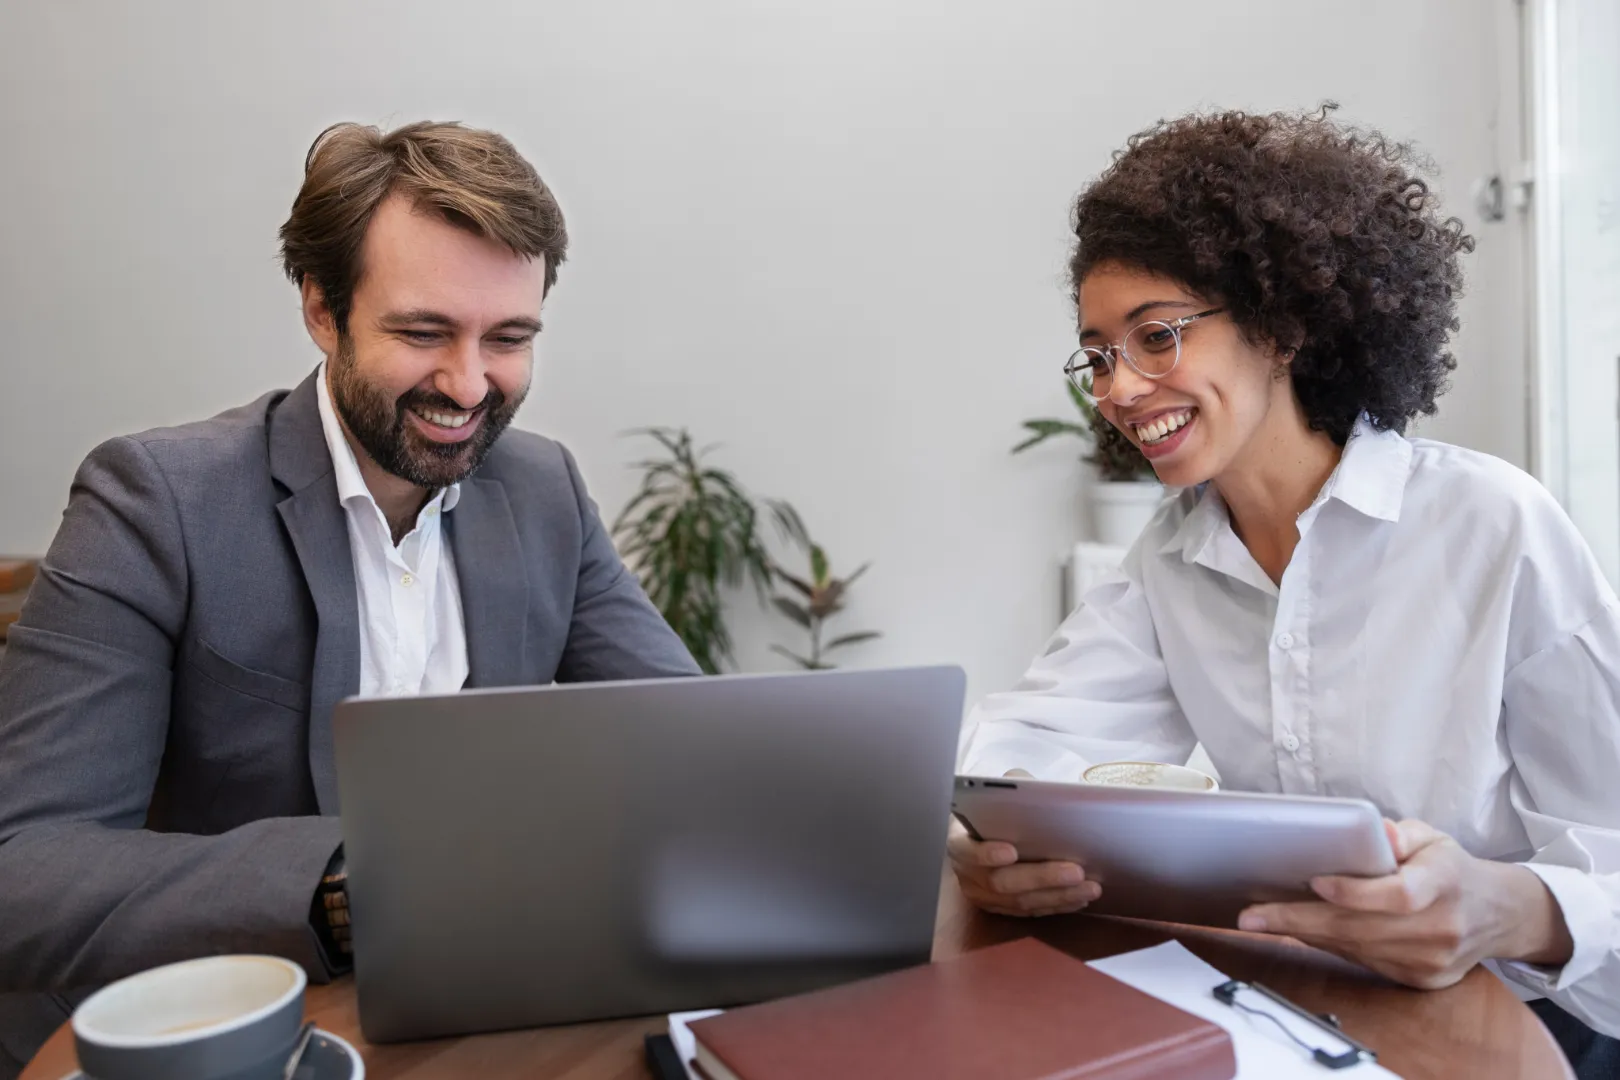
<point x="1372" y="473"/>
<point x="1370" y="479"/>
<point x="1198" y="528"/>
<point x="345" y="468"/>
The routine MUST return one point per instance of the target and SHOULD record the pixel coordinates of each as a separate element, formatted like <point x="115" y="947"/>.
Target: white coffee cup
<point x="1150" y="774"/>
<point x="217" y="1018"/>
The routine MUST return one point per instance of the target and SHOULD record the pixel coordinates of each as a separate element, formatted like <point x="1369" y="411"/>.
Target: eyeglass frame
<point x="1112" y="353"/>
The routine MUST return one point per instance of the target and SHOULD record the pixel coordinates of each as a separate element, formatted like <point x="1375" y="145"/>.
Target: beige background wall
<point x="829" y="236"/>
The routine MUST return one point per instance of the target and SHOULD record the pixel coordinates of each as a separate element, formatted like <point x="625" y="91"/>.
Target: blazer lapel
<point x="300" y="461"/>
<point x="494" y="583"/>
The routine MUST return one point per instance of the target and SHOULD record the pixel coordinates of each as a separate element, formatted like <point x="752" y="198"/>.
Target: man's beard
<point x="378" y="423"/>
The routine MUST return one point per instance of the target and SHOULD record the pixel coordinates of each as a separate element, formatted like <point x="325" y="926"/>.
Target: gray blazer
<point x="166" y="772"/>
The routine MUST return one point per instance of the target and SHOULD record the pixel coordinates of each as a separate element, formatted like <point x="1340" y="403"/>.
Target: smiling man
<point x="166" y="781"/>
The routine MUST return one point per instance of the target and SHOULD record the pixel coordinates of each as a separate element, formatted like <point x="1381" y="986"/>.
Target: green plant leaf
<point x="792" y="610"/>
<point x="852" y="639"/>
<point x="818" y="566"/>
<point x="808" y="665"/>
<point x="625" y="520"/>
<point x="1086" y="408"/>
<point x="799" y="584"/>
<point x="688" y="530"/>
<point x="1041" y="430"/>
<point x="788" y="522"/>
<point x="1114" y="455"/>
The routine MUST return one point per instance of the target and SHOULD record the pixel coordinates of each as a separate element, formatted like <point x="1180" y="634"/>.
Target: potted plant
<point x="1127" y="492"/>
<point x="820" y="595"/>
<point x="689" y="531"/>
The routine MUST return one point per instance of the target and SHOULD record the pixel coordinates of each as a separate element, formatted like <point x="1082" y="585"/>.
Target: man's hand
<point x="992" y="878"/>
<point x="1430" y="922"/>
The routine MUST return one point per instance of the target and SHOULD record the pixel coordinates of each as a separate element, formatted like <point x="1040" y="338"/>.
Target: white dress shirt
<point x="1442" y="644"/>
<point x="412" y="636"/>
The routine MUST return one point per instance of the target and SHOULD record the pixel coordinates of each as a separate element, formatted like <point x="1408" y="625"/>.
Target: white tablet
<point x="1179" y="856"/>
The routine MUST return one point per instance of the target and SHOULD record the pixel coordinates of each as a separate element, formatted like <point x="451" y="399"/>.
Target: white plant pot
<point x="1121" y="509"/>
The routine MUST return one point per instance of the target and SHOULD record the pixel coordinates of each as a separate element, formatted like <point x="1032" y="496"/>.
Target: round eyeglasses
<point x="1153" y="350"/>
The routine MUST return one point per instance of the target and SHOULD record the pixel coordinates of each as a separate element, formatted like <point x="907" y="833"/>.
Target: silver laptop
<point x="566" y="853"/>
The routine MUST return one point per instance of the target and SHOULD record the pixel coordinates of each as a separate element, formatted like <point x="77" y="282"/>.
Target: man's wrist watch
<point x="329" y="914"/>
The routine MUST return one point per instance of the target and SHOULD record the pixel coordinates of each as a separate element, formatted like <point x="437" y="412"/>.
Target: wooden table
<point x="10" y="607"/>
<point x="15" y="577"/>
<point x="1476" y="1029"/>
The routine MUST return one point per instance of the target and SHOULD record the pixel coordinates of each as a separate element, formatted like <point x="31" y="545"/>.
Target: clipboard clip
<point x="1227" y="994"/>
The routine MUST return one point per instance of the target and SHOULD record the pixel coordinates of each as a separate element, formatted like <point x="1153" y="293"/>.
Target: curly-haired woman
<point x="1329" y="607"/>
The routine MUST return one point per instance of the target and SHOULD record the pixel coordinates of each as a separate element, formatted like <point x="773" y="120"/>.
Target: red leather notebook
<point x="1019" y="1011"/>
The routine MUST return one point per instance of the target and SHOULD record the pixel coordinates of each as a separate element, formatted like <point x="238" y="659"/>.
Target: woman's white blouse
<point x="1442" y="644"/>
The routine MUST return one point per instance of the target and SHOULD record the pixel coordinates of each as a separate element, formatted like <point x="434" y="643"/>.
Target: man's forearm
<point x="82" y="904"/>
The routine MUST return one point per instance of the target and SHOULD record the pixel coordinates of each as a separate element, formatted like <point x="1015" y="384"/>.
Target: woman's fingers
<point x="1039" y="901"/>
<point x="1034" y="877"/>
<point x="965" y="851"/>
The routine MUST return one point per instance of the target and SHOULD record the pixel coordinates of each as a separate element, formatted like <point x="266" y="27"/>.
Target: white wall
<point x="830" y="236"/>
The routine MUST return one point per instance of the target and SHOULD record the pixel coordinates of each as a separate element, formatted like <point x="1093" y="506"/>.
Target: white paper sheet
<point x="1172" y="974"/>
<point x="681" y="1036"/>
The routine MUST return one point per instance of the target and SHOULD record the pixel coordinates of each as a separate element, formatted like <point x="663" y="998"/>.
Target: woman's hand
<point x="992" y="878"/>
<point x="1430" y="922"/>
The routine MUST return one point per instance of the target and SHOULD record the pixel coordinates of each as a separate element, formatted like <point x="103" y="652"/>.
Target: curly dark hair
<point x="1316" y="236"/>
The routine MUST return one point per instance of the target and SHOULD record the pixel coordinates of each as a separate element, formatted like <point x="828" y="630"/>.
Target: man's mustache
<point x="420" y="400"/>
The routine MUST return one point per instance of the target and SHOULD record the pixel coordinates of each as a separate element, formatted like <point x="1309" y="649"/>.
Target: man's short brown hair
<point x="475" y="179"/>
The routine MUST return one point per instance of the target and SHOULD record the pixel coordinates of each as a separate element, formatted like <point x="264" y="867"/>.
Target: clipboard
<point x="1172" y="973"/>
<point x="1231" y="991"/>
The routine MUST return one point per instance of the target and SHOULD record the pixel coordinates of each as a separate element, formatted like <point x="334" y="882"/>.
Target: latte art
<point x="1148" y="774"/>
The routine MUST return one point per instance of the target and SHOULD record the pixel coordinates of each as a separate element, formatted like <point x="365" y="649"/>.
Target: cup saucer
<point x="327" y="1057"/>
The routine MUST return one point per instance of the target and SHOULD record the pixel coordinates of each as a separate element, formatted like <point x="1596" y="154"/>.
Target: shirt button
<point x="1285" y="641"/>
<point x="1290" y="742"/>
<point x="433" y="511"/>
<point x="407" y="580"/>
